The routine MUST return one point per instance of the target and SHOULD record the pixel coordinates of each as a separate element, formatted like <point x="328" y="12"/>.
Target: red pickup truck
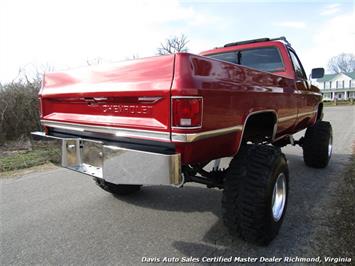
<point x="162" y="120"/>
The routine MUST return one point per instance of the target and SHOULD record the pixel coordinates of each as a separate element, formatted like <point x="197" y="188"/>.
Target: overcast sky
<point x="66" y="33"/>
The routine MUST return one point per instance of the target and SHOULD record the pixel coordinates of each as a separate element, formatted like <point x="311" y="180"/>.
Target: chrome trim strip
<point x="165" y="136"/>
<point x="304" y="92"/>
<point x="285" y="118"/>
<point x="120" y="132"/>
<point x="307" y="113"/>
<point x="186" y="97"/>
<point x="149" y="99"/>
<point x="191" y="137"/>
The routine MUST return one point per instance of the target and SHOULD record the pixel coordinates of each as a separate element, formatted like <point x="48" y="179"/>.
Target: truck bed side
<point x="231" y="94"/>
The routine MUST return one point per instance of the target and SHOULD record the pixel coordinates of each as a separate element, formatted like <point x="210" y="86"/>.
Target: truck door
<point x="304" y="103"/>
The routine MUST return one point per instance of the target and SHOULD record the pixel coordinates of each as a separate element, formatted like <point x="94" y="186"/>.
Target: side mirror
<point x="317" y="73"/>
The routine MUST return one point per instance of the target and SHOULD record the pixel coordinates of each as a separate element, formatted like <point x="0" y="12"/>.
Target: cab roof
<point x="247" y="44"/>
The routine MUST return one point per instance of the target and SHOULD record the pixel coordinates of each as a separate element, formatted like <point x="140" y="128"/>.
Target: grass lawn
<point x="338" y="103"/>
<point x="19" y="159"/>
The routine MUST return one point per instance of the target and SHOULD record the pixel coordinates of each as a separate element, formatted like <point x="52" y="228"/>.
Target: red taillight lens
<point x="187" y="112"/>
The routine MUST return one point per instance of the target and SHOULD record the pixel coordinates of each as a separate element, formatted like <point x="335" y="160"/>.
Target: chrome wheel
<point x="279" y="197"/>
<point x="330" y="146"/>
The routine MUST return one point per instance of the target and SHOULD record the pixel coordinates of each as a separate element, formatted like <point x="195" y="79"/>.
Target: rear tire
<point x="117" y="189"/>
<point x="318" y="144"/>
<point x="251" y="209"/>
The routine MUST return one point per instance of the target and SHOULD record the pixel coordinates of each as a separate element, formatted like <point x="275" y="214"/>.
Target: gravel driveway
<point x="61" y="217"/>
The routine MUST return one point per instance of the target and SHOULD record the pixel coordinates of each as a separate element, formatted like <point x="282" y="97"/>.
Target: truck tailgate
<point x="128" y="95"/>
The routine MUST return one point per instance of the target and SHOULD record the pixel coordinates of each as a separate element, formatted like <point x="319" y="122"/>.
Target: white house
<point x="339" y="86"/>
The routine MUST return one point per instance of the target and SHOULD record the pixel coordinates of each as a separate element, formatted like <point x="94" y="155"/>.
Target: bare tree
<point x="94" y="61"/>
<point x="19" y="108"/>
<point x="19" y="103"/>
<point x="132" y="57"/>
<point x="342" y="63"/>
<point x="173" y="45"/>
<point x="31" y="74"/>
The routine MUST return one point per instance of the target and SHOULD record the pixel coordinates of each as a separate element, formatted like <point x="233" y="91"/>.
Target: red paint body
<point x="231" y="93"/>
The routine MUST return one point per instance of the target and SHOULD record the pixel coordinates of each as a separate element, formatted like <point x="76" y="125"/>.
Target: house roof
<point x="351" y="74"/>
<point x="328" y="77"/>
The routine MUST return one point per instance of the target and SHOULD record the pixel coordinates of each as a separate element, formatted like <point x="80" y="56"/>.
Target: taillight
<point x="187" y="112"/>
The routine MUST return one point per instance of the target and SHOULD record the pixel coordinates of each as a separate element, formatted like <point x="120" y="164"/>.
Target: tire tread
<point x="244" y="202"/>
<point x="315" y="145"/>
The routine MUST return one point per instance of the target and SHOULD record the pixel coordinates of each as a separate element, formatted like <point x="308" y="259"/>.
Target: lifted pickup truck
<point x="161" y="120"/>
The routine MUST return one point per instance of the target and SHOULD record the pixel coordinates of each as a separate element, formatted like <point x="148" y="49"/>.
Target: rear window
<point x="265" y="59"/>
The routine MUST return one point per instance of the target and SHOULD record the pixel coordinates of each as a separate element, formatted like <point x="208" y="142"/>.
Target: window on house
<point x="327" y="96"/>
<point x="352" y="83"/>
<point x="327" y="85"/>
<point x="340" y="84"/>
<point x="346" y="84"/>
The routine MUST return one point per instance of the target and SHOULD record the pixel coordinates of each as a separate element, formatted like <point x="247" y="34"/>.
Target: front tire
<point x="318" y="144"/>
<point x="255" y="193"/>
<point x="117" y="189"/>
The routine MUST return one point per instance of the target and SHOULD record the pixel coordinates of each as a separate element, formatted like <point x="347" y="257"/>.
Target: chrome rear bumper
<point x="114" y="164"/>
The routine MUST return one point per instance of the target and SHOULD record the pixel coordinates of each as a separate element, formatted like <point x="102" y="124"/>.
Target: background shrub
<point x="19" y="109"/>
